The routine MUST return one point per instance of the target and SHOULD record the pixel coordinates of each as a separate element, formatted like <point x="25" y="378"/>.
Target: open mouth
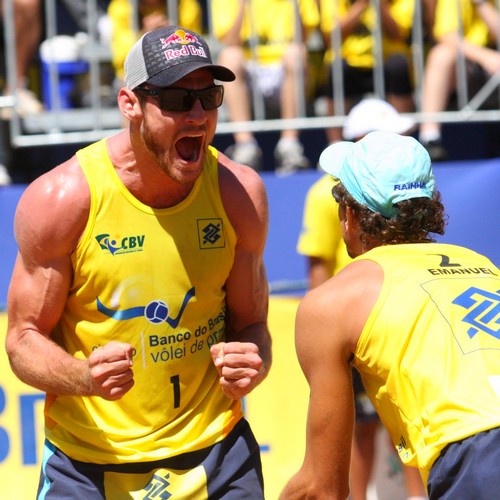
<point x="189" y="147"/>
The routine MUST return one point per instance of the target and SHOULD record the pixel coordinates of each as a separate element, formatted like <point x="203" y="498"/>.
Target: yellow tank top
<point x="429" y="354"/>
<point x="357" y="47"/>
<point x="272" y="23"/>
<point x="451" y="16"/>
<point x="153" y="278"/>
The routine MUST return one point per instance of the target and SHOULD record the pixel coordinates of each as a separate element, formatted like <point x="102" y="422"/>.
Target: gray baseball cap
<point x="164" y="56"/>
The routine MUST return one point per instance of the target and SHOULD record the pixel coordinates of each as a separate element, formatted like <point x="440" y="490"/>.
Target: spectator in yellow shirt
<point x="266" y="51"/>
<point x="480" y="25"/>
<point x="349" y="31"/>
<point x="152" y="14"/>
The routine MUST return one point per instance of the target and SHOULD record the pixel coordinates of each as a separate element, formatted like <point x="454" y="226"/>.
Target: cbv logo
<point x="117" y="246"/>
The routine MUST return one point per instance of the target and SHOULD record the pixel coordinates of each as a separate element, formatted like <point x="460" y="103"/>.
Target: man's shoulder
<point x="237" y="177"/>
<point x="54" y="208"/>
<point x="243" y="195"/>
<point x="60" y="180"/>
<point x="62" y="191"/>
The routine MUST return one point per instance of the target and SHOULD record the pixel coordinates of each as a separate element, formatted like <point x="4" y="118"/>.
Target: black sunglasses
<point x="176" y="99"/>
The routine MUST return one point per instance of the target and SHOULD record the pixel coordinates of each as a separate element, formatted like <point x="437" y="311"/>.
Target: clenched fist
<point x="239" y="366"/>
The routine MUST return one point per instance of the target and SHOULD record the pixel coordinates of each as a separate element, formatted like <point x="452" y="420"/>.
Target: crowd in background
<point x="292" y="59"/>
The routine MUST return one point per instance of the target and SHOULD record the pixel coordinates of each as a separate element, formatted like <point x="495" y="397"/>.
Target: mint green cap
<point x="381" y="169"/>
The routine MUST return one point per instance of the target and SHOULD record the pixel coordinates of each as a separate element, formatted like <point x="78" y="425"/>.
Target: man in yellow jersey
<point x="139" y="298"/>
<point x="321" y="242"/>
<point x="417" y="319"/>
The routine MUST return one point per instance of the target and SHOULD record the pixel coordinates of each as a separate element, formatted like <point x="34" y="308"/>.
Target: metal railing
<point x="95" y="121"/>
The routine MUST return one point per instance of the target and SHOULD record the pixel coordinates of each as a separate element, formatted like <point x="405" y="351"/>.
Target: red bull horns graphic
<point x="180" y="37"/>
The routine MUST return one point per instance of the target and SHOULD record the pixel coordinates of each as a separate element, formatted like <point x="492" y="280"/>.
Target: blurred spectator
<point x="152" y="14"/>
<point x="78" y="11"/>
<point x="356" y="21"/>
<point x="428" y="16"/>
<point x="375" y="114"/>
<point x="321" y="242"/>
<point x="27" y="32"/>
<point x="480" y="24"/>
<point x="261" y="46"/>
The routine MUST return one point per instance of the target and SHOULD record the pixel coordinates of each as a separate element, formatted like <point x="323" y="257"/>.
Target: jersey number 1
<point x="174" y="380"/>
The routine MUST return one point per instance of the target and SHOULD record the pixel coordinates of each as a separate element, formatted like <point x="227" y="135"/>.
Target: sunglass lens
<point x="211" y="98"/>
<point x="188" y="100"/>
<point x="173" y="100"/>
<point x="183" y="100"/>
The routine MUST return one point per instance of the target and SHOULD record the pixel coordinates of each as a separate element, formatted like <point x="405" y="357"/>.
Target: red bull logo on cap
<point x="179" y="36"/>
<point x="187" y="40"/>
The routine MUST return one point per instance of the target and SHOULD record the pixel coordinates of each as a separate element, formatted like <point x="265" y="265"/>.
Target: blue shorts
<point x="467" y="469"/>
<point x="227" y="470"/>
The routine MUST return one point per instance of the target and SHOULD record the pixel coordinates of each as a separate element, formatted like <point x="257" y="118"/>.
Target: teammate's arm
<point x="329" y="322"/>
<point x="324" y="354"/>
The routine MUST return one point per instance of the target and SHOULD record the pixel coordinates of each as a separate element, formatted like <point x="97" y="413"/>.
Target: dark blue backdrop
<point x="470" y="192"/>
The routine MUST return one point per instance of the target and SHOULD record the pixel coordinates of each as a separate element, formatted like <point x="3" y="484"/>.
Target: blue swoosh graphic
<point x="135" y="312"/>
<point x="174" y="322"/>
<point x="120" y="315"/>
